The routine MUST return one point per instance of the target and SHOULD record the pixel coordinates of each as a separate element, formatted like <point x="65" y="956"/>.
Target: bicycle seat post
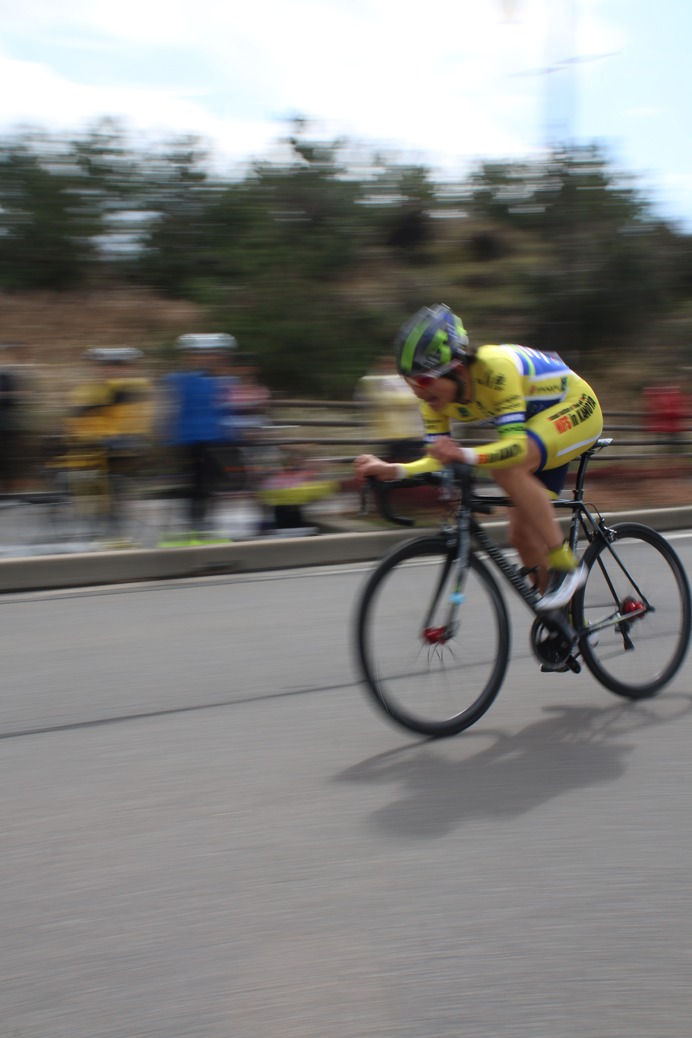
<point x="584" y="460"/>
<point x="578" y="491"/>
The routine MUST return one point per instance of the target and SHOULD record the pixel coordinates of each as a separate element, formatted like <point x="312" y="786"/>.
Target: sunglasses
<point x="429" y="379"/>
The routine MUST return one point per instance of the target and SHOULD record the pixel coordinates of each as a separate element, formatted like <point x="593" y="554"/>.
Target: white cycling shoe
<point x="561" y="586"/>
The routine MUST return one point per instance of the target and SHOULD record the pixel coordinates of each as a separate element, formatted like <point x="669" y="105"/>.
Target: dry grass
<point x="57" y="327"/>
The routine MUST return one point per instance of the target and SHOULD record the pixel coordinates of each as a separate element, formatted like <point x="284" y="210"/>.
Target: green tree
<point x="174" y="200"/>
<point x="313" y="259"/>
<point x="279" y="249"/>
<point x="597" y="278"/>
<point x="46" y="235"/>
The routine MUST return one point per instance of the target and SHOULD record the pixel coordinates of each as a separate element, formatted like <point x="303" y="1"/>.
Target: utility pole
<point x="558" y="133"/>
<point x="558" y="71"/>
<point x="561" y="74"/>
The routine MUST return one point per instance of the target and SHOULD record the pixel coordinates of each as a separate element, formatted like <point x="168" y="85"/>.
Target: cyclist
<point x="545" y="416"/>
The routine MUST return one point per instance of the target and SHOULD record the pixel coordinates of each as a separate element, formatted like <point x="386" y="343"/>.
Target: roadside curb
<point x="48" y="572"/>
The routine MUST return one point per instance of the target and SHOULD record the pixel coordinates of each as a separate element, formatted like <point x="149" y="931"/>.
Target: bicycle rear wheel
<point x="636" y="604"/>
<point x="433" y="687"/>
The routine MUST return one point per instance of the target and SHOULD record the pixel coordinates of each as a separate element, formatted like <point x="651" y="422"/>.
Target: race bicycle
<point x="433" y="630"/>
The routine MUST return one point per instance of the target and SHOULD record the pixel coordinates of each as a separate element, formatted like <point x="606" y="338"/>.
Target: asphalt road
<point x="209" y="833"/>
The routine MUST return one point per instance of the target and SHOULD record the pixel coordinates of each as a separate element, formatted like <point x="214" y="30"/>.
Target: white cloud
<point x="54" y="103"/>
<point x="373" y="70"/>
<point x="438" y="82"/>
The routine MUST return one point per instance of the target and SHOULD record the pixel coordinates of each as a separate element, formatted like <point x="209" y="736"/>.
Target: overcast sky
<point x="440" y="81"/>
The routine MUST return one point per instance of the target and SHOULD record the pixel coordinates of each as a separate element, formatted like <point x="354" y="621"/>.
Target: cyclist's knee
<point x="512" y="477"/>
<point x="515" y="474"/>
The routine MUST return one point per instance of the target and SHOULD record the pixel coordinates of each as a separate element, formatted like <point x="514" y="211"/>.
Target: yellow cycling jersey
<point x="110" y="408"/>
<point x="511" y="386"/>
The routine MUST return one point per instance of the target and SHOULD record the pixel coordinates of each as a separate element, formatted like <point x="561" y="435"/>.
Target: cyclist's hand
<point x="447" y="451"/>
<point x="368" y="465"/>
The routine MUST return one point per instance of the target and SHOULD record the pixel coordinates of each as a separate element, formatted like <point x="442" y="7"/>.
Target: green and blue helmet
<point x="431" y="341"/>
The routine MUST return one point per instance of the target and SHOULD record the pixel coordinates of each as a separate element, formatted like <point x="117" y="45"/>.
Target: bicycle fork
<point x="440" y="635"/>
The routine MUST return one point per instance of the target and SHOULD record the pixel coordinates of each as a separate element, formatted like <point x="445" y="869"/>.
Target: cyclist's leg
<point x="562" y="433"/>
<point x="557" y="435"/>
<point x="530" y="547"/>
<point x="533" y="528"/>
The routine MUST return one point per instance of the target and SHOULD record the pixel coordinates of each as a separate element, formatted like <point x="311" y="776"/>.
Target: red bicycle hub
<point x="435" y="635"/>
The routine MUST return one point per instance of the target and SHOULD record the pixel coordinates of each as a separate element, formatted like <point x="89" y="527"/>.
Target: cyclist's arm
<point x="512" y="442"/>
<point x="502" y="397"/>
<point x="435" y="424"/>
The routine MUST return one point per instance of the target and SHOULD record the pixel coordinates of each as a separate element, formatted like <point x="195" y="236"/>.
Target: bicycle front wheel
<point x="634" y="610"/>
<point x="429" y="682"/>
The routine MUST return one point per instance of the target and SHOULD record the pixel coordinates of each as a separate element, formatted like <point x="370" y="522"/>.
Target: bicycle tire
<point x="434" y="690"/>
<point x="651" y="577"/>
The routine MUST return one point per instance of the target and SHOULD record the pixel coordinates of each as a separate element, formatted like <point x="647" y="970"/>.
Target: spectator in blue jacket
<point x="196" y="423"/>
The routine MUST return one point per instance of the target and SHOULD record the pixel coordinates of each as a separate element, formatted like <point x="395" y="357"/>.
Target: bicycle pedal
<point x="561" y="668"/>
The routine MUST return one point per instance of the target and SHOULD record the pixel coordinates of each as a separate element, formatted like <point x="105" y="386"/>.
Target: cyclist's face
<point x="437" y="393"/>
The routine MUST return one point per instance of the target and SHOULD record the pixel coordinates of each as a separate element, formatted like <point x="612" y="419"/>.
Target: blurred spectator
<point x="229" y="452"/>
<point x="112" y="408"/>
<point x="250" y="398"/>
<point x="297" y="482"/>
<point x="196" y="425"/>
<point x="391" y="412"/>
<point x="667" y="412"/>
<point x="250" y="401"/>
<point x="110" y="423"/>
<point x="14" y="395"/>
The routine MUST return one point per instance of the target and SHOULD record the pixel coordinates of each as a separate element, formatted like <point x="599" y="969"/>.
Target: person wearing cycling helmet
<point x="545" y="416"/>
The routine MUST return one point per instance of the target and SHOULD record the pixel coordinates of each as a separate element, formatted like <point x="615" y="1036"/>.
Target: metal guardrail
<point x="31" y="519"/>
<point x="630" y="437"/>
<point x="83" y="570"/>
